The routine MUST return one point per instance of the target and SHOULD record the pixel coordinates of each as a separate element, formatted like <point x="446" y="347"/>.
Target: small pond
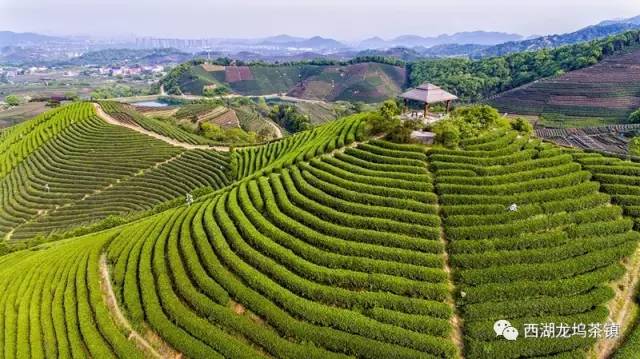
<point x="150" y="104"/>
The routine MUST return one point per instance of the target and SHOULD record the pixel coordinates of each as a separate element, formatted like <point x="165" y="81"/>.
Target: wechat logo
<point x="503" y="328"/>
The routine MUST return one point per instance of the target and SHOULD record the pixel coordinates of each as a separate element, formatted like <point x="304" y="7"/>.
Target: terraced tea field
<point x="368" y="82"/>
<point x="68" y="167"/>
<point x="546" y="262"/>
<point x="609" y="139"/>
<point x="330" y="244"/>
<point x="129" y="116"/>
<point x="608" y="90"/>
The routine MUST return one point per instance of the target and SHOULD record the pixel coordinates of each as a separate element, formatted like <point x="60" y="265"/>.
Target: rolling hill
<point x="324" y="244"/>
<point x="367" y="82"/>
<point x="68" y="167"/>
<point x="609" y="90"/>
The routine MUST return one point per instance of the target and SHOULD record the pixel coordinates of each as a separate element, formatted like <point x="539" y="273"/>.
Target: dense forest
<point x="477" y="80"/>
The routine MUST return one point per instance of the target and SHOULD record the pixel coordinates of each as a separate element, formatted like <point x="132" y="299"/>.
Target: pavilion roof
<point x="428" y="93"/>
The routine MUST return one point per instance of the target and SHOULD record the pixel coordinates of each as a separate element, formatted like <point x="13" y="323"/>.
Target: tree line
<point x="481" y="79"/>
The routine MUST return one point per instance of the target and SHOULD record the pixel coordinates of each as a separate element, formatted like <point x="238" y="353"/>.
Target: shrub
<point x="378" y="124"/>
<point x="389" y="109"/>
<point x="634" y="144"/>
<point x="635" y="117"/>
<point x="402" y="132"/>
<point x="447" y="133"/>
<point x="521" y="125"/>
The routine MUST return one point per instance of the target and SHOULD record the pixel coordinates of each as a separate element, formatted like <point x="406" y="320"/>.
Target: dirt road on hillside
<point x="107" y="118"/>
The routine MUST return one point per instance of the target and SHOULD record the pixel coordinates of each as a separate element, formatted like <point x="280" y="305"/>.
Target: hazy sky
<point x="342" y="19"/>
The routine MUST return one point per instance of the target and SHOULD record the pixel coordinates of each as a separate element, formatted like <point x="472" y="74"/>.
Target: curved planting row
<point x="127" y="114"/>
<point x="180" y="175"/>
<point x="531" y="240"/>
<point x="299" y="147"/>
<point x="316" y="252"/>
<point x="91" y="169"/>
<point x="621" y="180"/>
<point x="19" y="141"/>
<point x="52" y="306"/>
<point x="307" y="262"/>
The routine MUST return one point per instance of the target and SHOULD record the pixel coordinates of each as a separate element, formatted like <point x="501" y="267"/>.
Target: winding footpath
<point x="112" y="303"/>
<point x="107" y="118"/>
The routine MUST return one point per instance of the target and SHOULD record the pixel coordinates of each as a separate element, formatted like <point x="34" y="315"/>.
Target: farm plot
<point x="128" y="115"/>
<point x="180" y="175"/>
<point x="621" y="180"/>
<point x="608" y="90"/>
<point x="531" y="240"/>
<point x="302" y="263"/>
<point x="52" y="306"/>
<point x="329" y="246"/>
<point x="611" y="139"/>
<point x="299" y="147"/>
<point x="87" y="163"/>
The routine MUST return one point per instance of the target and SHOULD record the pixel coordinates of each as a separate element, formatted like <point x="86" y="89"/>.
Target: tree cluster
<point x="289" y="117"/>
<point x="467" y="122"/>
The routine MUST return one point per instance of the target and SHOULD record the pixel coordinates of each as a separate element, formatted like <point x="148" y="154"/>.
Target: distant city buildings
<point x="135" y="70"/>
<point x="183" y="44"/>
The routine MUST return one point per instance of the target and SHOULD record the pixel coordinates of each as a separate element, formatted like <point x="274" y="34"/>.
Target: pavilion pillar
<point x="406" y="106"/>
<point x="448" y="106"/>
<point x="426" y="109"/>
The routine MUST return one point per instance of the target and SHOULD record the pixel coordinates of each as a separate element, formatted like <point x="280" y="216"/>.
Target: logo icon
<point x="503" y="328"/>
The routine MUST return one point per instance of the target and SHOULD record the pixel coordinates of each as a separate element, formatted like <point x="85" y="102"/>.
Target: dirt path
<point x="276" y="128"/>
<point x="621" y="306"/>
<point x="456" y="320"/>
<point x="107" y="118"/>
<point x="112" y="304"/>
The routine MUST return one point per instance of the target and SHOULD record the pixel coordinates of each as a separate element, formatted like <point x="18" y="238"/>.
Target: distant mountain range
<point x="631" y="20"/>
<point x="473" y="37"/>
<point x="316" y="42"/>
<point x="31" y="48"/>
<point x="8" y="38"/>
<point x="587" y="34"/>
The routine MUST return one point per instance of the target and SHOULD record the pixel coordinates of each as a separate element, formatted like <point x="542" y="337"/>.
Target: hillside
<point x="324" y="244"/>
<point x="553" y="41"/>
<point x="68" y="167"/>
<point x="367" y="82"/>
<point x="478" y="80"/>
<point x="609" y="90"/>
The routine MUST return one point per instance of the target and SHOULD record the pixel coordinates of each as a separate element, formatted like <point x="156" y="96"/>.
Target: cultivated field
<point x="367" y="82"/>
<point x="68" y="167"/>
<point x="609" y="90"/>
<point x="609" y="139"/>
<point x="324" y="244"/>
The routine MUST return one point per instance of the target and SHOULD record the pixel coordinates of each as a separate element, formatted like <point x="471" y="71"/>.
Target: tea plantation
<point x="68" y="167"/>
<point x="325" y="244"/>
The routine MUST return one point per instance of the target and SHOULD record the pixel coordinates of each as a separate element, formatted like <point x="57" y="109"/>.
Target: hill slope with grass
<point x="330" y="243"/>
<point x="609" y="91"/>
<point x="367" y="82"/>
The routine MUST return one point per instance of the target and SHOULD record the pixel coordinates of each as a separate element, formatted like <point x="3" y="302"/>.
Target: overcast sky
<point x="341" y="19"/>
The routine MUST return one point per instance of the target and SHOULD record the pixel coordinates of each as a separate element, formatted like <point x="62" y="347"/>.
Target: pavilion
<point x="428" y="94"/>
